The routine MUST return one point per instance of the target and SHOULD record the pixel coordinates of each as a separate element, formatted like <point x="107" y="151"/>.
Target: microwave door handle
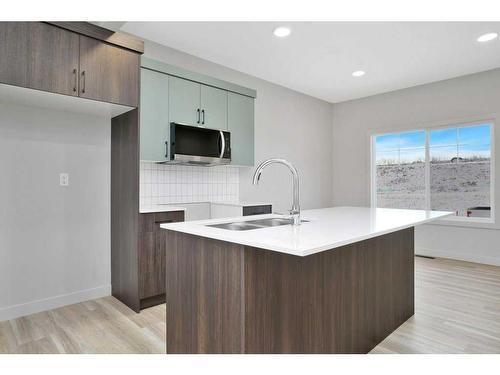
<point x="223" y="148"/>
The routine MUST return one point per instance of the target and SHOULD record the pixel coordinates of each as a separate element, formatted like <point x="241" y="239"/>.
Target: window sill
<point x="478" y="222"/>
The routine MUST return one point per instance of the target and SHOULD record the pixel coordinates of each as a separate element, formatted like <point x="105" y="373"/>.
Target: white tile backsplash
<point x="163" y="183"/>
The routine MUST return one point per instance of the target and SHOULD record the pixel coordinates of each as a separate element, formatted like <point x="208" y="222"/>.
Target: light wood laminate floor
<point x="457" y="311"/>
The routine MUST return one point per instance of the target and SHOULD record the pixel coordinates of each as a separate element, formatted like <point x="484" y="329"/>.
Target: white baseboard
<point x="16" y="311"/>
<point x="475" y="258"/>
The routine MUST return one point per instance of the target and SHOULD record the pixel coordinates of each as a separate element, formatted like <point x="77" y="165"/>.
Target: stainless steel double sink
<point x="254" y="224"/>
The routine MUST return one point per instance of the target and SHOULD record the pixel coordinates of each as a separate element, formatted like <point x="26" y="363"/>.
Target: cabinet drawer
<point x="151" y="222"/>
<point x="257" y="210"/>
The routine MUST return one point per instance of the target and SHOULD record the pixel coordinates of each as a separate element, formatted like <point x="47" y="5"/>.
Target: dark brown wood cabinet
<point x="45" y="57"/>
<point x="125" y="207"/>
<point x="152" y="254"/>
<point x="108" y="73"/>
<point x="138" y="244"/>
<point x="39" y="56"/>
<point x="229" y="298"/>
<point x="257" y="210"/>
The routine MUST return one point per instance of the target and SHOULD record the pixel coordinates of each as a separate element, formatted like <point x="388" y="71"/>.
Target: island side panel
<point x="204" y="289"/>
<point x="345" y="300"/>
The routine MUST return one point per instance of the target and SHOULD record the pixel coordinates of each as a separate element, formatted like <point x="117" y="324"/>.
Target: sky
<point x="444" y="144"/>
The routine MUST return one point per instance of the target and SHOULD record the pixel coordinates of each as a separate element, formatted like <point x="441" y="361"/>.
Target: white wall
<point x="54" y="241"/>
<point x="288" y="125"/>
<point x="465" y="98"/>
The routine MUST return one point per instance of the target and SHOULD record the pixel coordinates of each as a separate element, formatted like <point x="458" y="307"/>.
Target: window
<point x="445" y="169"/>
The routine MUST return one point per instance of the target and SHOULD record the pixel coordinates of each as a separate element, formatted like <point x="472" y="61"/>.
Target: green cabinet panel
<point x="155" y="130"/>
<point x="166" y="98"/>
<point x="214" y="107"/>
<point x="184" y="101"/>
<point x="240" y="121"/>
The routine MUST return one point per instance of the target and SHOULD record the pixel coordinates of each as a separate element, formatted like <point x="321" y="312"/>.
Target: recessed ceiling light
<point x="282" y="31"/>
<point x="487" y="37"/>
<point x="358" y="73"/>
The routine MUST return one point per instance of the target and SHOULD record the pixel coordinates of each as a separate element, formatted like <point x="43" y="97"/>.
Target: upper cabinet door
<point x="184" y="101"/>
<point x="213" y="107"/>
<point x="240" y="112"/>
<point x="39" y="56"/>
<point x="108" y="73"/>
<point x="154" y="115"/>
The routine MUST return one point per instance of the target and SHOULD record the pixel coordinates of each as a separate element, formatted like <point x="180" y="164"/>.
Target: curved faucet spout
<point x="295" y="211"/>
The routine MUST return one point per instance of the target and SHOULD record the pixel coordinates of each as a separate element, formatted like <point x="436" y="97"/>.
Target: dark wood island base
<point x="228" y="298"/>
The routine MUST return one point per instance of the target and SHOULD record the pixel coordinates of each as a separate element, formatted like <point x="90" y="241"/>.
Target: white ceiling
<point x="319" y="57"/>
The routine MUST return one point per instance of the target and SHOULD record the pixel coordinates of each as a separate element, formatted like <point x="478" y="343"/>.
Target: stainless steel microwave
<point x="194" y="145"/>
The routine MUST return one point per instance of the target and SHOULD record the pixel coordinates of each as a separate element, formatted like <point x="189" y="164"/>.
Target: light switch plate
<point x="63" y="179"/>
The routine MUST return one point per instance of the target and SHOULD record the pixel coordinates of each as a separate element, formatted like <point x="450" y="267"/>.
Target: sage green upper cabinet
<point x="172" y="94"/>
<point x="184" y="101"/>
<point x="240" y="121"/>
<point x="196" y="104"/>
<point x="155" y="129"/>
<point x="213" y="107"/>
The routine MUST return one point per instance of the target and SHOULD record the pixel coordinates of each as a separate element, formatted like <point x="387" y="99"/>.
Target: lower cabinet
<point x="223" y="210"/>
<point x="152" y="253"/>
<point x="257" y="210"/>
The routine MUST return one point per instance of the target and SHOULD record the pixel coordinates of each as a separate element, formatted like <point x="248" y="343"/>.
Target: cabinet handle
<point x="76" y="78"/>
<point x="198" y="121"/>
<point x="203" y="117"/>
<point x="83" y="85"/>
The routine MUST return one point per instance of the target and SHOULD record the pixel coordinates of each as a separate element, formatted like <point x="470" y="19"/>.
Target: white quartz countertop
<point x="327" y="228"/>
<point x="169" y="207"/>
<point x="160" y="208"/>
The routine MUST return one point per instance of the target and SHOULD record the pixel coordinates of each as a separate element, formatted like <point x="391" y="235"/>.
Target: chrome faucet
<point x="295" y="211"/>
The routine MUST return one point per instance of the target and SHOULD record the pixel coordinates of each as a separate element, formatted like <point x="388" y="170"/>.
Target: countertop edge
<point x="151" y="210"/>
<point x="193" y="230"/>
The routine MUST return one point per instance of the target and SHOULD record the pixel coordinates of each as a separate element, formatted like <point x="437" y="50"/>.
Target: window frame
<point x="453" y="220"/>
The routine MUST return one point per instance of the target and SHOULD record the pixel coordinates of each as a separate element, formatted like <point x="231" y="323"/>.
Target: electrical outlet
<point x="63" y="179"/>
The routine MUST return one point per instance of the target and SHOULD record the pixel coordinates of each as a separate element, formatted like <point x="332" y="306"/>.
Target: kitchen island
<point x="338" y="283"/>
